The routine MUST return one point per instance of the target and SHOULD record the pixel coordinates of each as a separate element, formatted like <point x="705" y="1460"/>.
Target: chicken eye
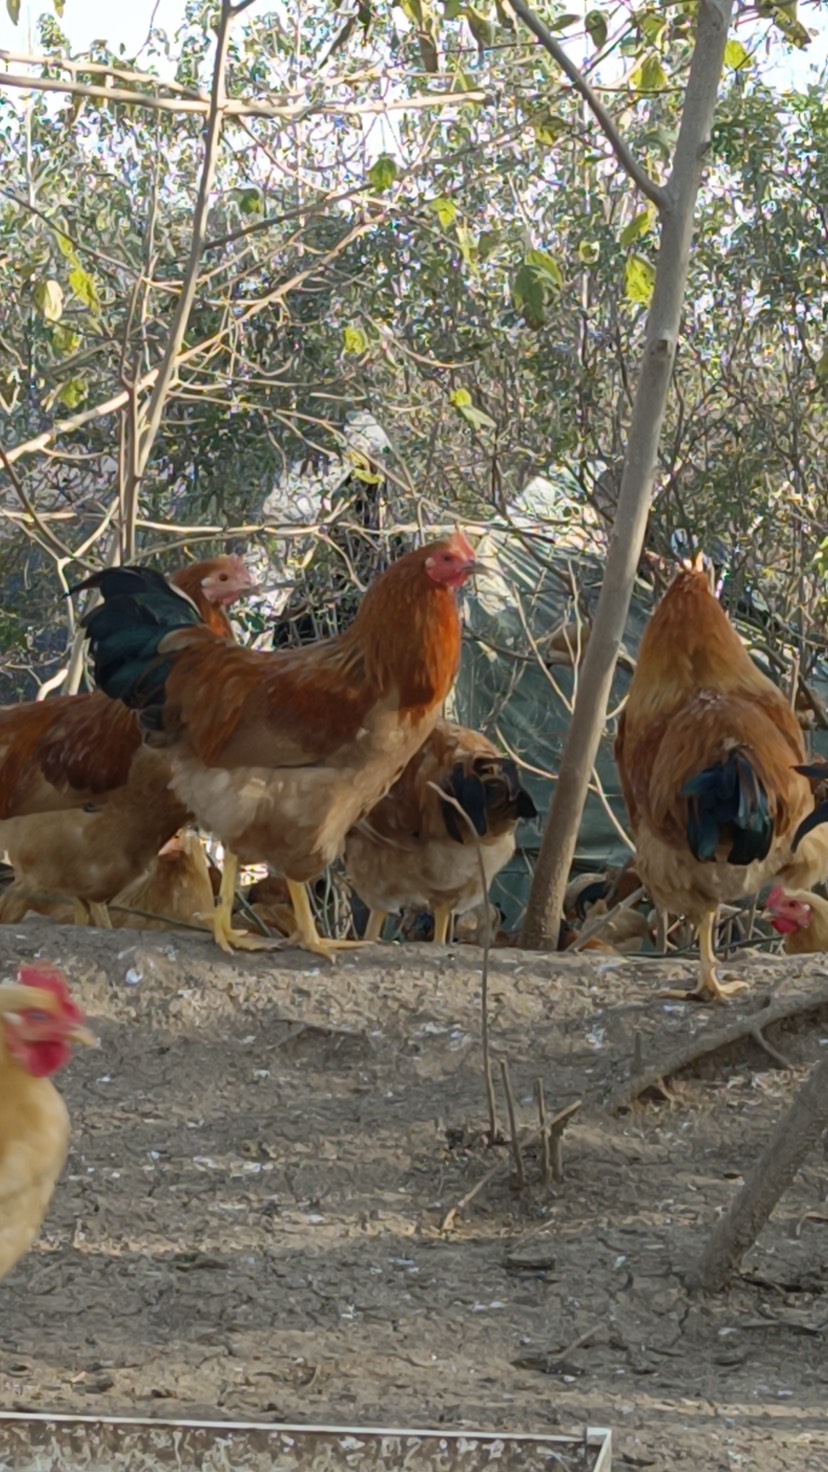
<point x="38" y="1016"/>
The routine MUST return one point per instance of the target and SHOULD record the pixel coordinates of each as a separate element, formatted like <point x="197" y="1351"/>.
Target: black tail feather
<point x="813" y="820"/>
<point x="139" y="609"/>
<point x="491" y="789"/>
<point x="728" y="800"/>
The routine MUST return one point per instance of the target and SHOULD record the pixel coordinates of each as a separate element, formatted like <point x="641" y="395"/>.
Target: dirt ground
<point x="264" y="1152"/>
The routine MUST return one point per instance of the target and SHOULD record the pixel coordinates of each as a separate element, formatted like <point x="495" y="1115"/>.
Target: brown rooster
<point x="279" y="754"/>
<point x="707" y="750"/>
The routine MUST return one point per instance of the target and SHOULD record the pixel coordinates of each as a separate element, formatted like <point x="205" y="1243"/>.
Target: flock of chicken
<point x="296" y="757"/>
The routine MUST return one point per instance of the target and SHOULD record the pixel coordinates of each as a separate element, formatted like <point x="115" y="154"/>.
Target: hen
<point x="84" y="806"/>
<point x="801" y="916"/>
<point x="279" y="754"/>
<point x="38" y="1024"/>
<point x="706" y="750"/>
<point x="415" y="849"/>
<point x="176" y="888"/>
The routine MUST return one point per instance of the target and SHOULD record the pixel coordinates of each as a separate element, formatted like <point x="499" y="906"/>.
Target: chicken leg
<point x="306" y="934"/>
<point x="709" y="988"/>
<point x="221" y="919"/>
<point x="373" y="930"/>
<point x="442" y="925"/>
<point x="90" y="912"/>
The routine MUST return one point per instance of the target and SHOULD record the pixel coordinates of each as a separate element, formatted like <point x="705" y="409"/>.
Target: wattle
<point x="783" y="926"/>
<point x="43" y="1059"/>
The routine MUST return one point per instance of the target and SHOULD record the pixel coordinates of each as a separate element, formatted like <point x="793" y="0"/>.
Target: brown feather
<point x="84" y="806"/>
<point x="403" y="854"/>
<point x="697" y="696"/>
<point x="280" y="753"/>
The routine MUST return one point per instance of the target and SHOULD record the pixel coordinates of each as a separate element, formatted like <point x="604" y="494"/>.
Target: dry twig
<point x="712" y="1040"/>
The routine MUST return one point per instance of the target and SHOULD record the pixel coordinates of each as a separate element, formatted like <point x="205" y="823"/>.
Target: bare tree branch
<point x="652" y="191"/>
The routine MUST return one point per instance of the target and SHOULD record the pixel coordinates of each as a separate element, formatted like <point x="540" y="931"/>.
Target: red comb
<point x="460" y="544"/>
<point x="50" y="979"/>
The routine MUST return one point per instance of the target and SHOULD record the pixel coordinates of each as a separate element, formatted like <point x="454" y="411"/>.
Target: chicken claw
<point x="221" y="919"/>
<point x="709" y="989"/>
<point x="306" y="934"/>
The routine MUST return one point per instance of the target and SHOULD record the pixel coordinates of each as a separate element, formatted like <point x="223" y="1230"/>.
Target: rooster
<point x="84" y="806"/>
<point x="39" y="1022"/>
<point x="707" y="749"/>
<point x="415" y="849"/>
<point x="280" y="754"/>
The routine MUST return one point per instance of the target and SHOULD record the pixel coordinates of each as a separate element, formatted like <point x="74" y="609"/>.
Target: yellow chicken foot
<point x="709" y="989"/>
<point x="221" y="920"/>
<point x="90" y="912"/>
<point x="306" y="934"/>
<point x="373" y="930"/>
<point x="442" y="924"/>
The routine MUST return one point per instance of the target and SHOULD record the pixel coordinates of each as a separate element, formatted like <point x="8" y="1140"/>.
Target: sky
<point x="87" y="20"/>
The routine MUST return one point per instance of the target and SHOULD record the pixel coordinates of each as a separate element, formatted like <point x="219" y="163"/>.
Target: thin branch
<point x="656" y="193"/>
<point x="238" y="108"/>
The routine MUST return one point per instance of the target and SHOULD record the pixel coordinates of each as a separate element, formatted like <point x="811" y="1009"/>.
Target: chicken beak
<point x="18" y="998"/>
<point x="81" y="1037"/>
<point x="480" y="565"/>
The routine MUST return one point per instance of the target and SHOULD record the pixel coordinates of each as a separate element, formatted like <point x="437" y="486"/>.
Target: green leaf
<point x="13" y="7"/>
<point x="84" y="289"/>
<point x="467" y="244"/>
<point x="66" y="248"/>
<point x="639" y="280"/>
<point x="650" y="76"/>
<point x="529" y="294"/>
<point x="548" y="127"/>
<point x="482" y="29"/>
<point x="639" y="226"/>
<point x="48" y="298"/>
<point x="382" y="173"/>
<point x="462" y="401"/>
<point x="735" y="55"/>
<point x="72" y="393"/>
<point x="412" y="10"/>
<point x="66" y="340"/>
<point x="821" y="370"/>
<point x="354" y="340"/>
<point x="488" y="243"/>
<point x="785" y="19"/>
<point x="652" y="26"/>
<point x="460" y="398"/>
<point x="589" y="252"/>
<point x="476" y="418"/>
<point x="59" y="7"/>
<point x="444" y="209"/>
<point x="504" y="19"/>
<point x="564" y="22"/>
<point x="596" y="27"/>
<point x="249" y="201"/>
<point x="546" y="264"/>
<point x="9" y="387"/>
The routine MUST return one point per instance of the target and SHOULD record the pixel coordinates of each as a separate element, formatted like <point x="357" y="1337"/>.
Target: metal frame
<point x="40" y="1442"/>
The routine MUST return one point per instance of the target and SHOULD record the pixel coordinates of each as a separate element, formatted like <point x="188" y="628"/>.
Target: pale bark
<point x="676" y="212"/>
<point x="796" y="1134"/>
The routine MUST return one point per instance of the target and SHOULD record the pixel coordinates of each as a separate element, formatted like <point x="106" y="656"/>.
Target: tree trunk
<point x="677" y="211"/>
<point x="795" y="1135"/>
